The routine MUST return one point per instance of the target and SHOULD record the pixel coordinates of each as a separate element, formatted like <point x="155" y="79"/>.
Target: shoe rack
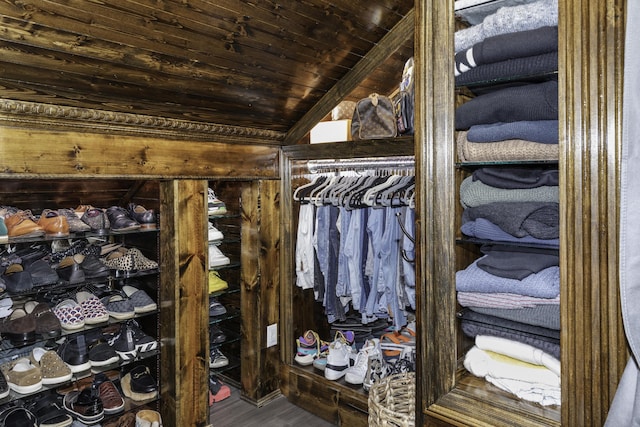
<point x="251" y="240"/>
<point x="38" y="195"/>
<point x="225" y="319"/>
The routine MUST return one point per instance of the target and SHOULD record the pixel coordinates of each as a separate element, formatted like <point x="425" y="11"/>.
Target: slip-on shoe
<point x="47" y="324"/>
<point x="20" y="328"/>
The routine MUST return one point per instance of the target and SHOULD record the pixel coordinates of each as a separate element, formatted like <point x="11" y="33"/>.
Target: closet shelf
<point x="85" y="235"/>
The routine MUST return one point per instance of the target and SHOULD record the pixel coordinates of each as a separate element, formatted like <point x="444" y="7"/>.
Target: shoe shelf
<point x="232" y="264"/>
<point x="232" y="289"/>
<point x="146" y="241"/>
<point x="231" y="313"/>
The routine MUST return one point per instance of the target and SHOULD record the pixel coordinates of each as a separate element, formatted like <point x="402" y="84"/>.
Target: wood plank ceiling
<point x="260" y="64"/>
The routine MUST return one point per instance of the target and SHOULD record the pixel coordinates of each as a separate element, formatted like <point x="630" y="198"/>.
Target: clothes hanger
<point x="369" y="197"/>
<point x="303" y="191"/>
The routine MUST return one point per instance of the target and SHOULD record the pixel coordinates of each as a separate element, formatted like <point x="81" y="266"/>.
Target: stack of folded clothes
<point x="517" y="123"/>
<point x="519" y="40"/>
<point x="513" y="290"/>
<point x="521" y="369"/>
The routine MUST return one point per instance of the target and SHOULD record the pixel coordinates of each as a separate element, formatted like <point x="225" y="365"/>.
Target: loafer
<point x="19" y="328"/>
<point x="145" y="217"/>
<point x="22" y="376"/>
<point x="47" y="324"/>
<point x="23" y="224"/>
<point x="96" y="219"/>
<point x="52" y="367"/>
<point x="120" y="220"/>
<point x="138" y="384"/>
<point x="53" y="223"/>
<point x="84" y="405"/>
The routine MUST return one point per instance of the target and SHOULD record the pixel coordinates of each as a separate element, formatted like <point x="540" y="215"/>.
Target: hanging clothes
<point x="359" y="229"/>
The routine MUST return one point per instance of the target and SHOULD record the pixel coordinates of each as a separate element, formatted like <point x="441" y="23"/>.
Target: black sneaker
<point x="142" y="341"/>
<point x="102" y="354"/>
<point x="124" y="344"/>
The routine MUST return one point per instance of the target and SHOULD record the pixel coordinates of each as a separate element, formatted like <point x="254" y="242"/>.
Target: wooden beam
<point x="387" y="45"/>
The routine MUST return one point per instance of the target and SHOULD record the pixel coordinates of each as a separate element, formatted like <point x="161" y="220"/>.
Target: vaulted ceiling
<point x="262" y="64"/>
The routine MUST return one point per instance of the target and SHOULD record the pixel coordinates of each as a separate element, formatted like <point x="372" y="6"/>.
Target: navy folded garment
<point x="473" y="324"/>
<point x="545" y="63"/>
<point x="542" y="131"/>
<point x="544" y="315"/>
<point x="515" y="262"/>
<point x="516" y="177"/>
<point x="506" y="46"/>
<point x="534" y="101"/>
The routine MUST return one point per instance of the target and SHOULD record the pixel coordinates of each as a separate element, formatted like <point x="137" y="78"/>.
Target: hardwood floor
<point x="235" y="412"/>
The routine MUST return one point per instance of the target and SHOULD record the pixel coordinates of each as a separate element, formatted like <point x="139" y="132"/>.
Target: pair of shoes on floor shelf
<point x="310" y="347"/>
<point x="311" y="350"/>
<point x="218" y="390"/>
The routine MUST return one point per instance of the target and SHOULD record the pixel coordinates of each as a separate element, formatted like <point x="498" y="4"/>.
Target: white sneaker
<point x="341" y="356"/>
<point x="356" y="373"/>
<point x="214" y="233"/>
<point x="216" y="257"/>
<point x="215" y="206"/>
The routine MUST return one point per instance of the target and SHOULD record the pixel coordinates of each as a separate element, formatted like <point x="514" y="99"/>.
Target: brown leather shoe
<point x="20" y="328"/>
<point x="47" y="323"/>
<point x="53" y="223"/>
<point x="22" y="224"/>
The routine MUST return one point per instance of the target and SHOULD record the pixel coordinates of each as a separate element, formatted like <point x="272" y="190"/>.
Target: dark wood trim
<point x="594" y="352"/>
<point x="401" y="146"/>
<point x="59" y="117"/>
<point x="260" y="280"/>
<point x="183" y="304"/>
<point x="401" y="32"/>
<point x="84" y="155"/>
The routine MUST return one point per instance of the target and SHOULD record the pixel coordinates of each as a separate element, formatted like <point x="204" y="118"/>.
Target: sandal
<point x="393" y="343"/>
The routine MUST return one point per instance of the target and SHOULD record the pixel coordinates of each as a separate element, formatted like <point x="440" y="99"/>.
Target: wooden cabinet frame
<point x="594" y="354"/>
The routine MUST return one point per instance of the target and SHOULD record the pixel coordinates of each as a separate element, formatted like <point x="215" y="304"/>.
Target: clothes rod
<point x="397" y="162"/>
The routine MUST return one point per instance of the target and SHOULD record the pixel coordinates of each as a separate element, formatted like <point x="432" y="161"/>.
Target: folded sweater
<point x="533" y="101"/>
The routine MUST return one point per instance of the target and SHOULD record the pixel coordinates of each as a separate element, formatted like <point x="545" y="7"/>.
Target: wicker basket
<point x="392" y="401"/>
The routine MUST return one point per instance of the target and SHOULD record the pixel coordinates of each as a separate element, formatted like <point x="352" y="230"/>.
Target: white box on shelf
<point x="332" y="131"/>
